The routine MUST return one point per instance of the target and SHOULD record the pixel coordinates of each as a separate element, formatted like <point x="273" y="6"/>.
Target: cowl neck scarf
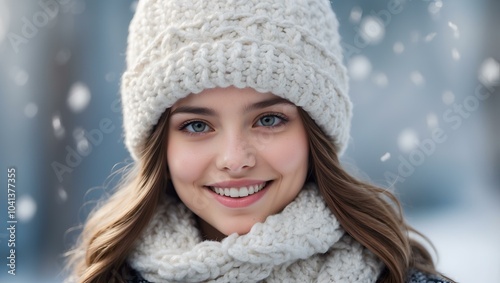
<point x="303" y="243"/>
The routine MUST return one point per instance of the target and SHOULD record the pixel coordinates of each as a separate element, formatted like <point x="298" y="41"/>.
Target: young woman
<point x="235" y="113"/>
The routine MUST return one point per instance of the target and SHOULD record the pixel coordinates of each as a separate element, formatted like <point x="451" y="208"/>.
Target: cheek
<point x="185" y="163"/>
<point x="188" y="171"/>
<point x="288" y="155"/>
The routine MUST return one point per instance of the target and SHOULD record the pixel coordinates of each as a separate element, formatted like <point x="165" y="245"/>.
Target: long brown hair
<point x="371" y="215"/>
<point x="112" y="228"/>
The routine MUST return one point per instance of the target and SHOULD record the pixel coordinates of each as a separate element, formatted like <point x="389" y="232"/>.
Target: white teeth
<point x="243" y="192"/>
<point x="238" y="192"/>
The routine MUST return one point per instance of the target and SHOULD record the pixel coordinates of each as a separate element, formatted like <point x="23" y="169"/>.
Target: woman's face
<point x="236" y="156"/>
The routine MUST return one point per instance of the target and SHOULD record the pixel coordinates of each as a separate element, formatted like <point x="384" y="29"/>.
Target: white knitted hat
<point x="290" y="48"/>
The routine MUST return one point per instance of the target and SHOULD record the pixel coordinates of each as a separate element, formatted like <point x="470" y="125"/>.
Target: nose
<point x="236" y="154"/>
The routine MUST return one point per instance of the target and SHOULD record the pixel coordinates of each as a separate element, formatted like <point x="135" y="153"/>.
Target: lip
<point x="236" y="183"/>
<point x="240" y="202"/>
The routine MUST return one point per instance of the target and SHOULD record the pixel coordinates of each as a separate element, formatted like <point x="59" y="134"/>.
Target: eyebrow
<point x="267" y="103"/>
<point x="210" y="112"/>
<point x="193" y="110"/>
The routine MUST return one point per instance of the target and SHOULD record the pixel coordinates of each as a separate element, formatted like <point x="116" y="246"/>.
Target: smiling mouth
<point x="239" y="192"/>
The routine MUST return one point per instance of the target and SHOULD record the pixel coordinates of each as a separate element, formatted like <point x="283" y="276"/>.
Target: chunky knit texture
<point x="303" y="243"/>
<point x="287" y="47"/>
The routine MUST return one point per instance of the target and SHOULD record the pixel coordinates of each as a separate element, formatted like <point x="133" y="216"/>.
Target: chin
<point x="239" y="228"/>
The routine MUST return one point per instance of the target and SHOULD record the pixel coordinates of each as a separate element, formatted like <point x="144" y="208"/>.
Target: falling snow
<point x="380" y="79"/>
<point x="21" y="77"/>
<point x="408" y="140"/>
<point x="385" y="157"/>
<point x="359" y="67"/>
<point x="26" y="208"/>
<point x="489" y="72"/>
<point x="83" y="146"/>
<point x="430" y="37"/>
<point x="372" y="30"/>
<point x="417" y="78"/>
<point x="435" y="7"/>
<point x="454" y="28"/>
<point x="455" y="54"/>
<point x="356" y="14"/>
<point x="448" y="97"/>
<point x="63" y="56"/>
<point x="78" y="133"/>
<point x="82" y="143"/>
<point x="63" y="195"/>
<point x="110" y="77"/>
<point x="432" y="121"/>
<point x="30" y="110"/>
<point x="398" y="47"/>
<point x="57" y="126"/>
<point x="79" y="97"/>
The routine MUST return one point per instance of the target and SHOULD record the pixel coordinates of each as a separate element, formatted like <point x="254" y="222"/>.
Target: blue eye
<point x="196" y="127"/>
<point x="270" y="121"/>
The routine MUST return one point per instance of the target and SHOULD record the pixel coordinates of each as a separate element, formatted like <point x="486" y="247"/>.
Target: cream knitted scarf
<point x="303" y="243"/>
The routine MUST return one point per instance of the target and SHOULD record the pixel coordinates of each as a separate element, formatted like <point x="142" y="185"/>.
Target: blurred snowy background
<point x="425" y="80"/>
